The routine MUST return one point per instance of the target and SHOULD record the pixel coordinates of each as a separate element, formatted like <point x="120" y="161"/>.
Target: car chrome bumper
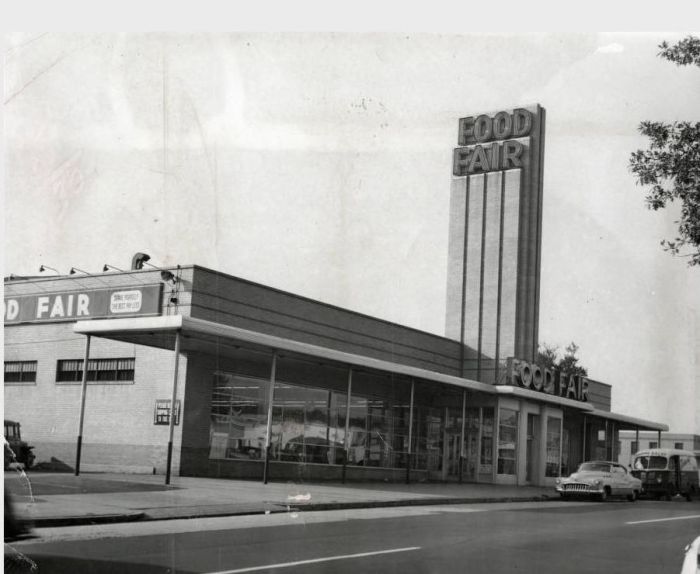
<point x="578" y="489"/>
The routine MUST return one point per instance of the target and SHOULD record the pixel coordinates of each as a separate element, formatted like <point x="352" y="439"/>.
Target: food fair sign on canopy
<point x="532" y="376"/>
<point x="86" y="304"/>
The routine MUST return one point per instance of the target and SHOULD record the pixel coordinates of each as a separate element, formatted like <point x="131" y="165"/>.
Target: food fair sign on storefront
<point x="85" y="304"/>
<point x="531" y="376"/>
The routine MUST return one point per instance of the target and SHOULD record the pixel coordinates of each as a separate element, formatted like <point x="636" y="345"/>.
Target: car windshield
<point x="594" y="467"/>
<point x="650" y="462"/>
<point x="11" y="431"/>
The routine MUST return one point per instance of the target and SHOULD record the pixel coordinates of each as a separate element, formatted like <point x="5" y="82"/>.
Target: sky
<point x="320" y="164"/>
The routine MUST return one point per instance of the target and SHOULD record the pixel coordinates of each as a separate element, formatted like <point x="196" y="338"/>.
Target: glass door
<point x="533" y="427"/>
<point x="472" y="441"/>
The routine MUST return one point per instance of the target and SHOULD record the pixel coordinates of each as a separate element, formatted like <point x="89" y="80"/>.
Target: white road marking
<point x="316" y="560"/>
<point x="665" y="519"/>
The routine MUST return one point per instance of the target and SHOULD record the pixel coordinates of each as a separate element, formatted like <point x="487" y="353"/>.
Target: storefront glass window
<point x="507" y="440"/>
<point x="427" y="438"/>
<point x="301" y="425"/>
<point x="357" y="439"/>
<point x="309" y="426"/>
<point x="487" y="426"/>
<point x="553" y="446"/>
<point x="471" y="443"/>
<point x="238" y="417"/>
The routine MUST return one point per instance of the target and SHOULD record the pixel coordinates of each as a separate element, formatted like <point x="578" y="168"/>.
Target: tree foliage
<point x="671" y="165"/>
<point x="548" y="357"/>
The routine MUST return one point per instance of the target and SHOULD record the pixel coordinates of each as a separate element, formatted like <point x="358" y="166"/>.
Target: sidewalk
<point x="64" y="499"/>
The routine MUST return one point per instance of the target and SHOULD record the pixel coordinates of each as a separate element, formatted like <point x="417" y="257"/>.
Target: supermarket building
<point x="272" y="385"/>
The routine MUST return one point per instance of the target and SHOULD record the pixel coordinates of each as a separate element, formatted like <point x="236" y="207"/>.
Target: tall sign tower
<point x="493" y="280"/>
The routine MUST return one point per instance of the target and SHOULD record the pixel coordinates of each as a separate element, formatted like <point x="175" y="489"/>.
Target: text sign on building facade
<point x="86" y="304"/>
<point x="532" y="376"/>
<point x="492" y="142"/>
<point x="495" y="239"/>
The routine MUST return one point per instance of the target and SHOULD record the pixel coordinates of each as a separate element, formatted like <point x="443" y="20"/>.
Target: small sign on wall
<point x="161" y="414"/>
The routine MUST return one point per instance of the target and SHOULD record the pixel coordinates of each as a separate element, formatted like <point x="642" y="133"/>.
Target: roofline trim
<point x="105" y="327"/>
<point x="637" y="422"/>
<point x="542" y="397"/>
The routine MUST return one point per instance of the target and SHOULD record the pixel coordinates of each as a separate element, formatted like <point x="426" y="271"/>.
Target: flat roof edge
<point x="637" y="422"/>
<point x="103" y="327"/>
<point x="211" y="328"/>
<point x="542" y="397"/>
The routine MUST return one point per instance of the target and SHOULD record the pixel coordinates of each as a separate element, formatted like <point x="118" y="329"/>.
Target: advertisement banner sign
<point x="144" y="300"/>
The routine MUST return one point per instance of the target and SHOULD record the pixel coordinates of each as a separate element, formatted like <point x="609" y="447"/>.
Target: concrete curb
<point x="275" y="508"/>
<point x="53" y="521"/>
<point x="414" y="502"/>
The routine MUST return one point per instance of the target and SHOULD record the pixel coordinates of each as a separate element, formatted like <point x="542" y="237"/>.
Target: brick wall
<point x="118" y="427"/>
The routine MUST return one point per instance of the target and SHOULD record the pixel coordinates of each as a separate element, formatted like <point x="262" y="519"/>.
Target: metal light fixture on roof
<point x="74" y="270"/>
<point x="138" y="260"/>
<point x="167" y="276"/>
<point x="43" y="268"/>
<point x="107" y="267"/>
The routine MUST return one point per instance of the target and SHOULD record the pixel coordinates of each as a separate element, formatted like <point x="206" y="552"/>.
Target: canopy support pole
<point x="83" y="393"/>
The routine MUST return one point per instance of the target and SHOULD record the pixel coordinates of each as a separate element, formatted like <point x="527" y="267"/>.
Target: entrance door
<point x="452" y="454"/>
<point x="472" y="440"/>
<point x="533" y="450"/>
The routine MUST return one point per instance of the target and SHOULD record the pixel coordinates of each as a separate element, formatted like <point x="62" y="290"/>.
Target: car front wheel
<point x="603" y="496"/>
<point x="632" y="497"/>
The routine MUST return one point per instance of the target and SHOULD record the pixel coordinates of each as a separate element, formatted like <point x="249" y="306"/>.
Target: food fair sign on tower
<point x="492" y="142"/>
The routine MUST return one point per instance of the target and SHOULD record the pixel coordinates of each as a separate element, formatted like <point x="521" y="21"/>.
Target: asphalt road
<point x="556" y="537"/>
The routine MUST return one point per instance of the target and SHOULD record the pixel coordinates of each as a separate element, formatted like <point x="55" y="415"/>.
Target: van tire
<point x="632" y="497"/>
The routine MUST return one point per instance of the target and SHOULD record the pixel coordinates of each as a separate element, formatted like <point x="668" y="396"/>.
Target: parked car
<point x="16" y="450"/>
<point x="599" y="480"/>
<point x="691" y="562"/>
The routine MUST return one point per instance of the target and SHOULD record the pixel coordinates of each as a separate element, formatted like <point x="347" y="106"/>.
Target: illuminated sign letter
<point x="57" y="308"/>
<point x="482" y="129"/>
<point x="466" y="130"/>
<point x="502" y="126"/>
<point x="512" y="154"/>
<point x="42" y="306"/>
<point x="583" y="396"/>
<point x="548" y="382"/>
<point x="522" y="122"/>
<point x="571" y="387"/>
<point x="561" y="384"/>
<point x="478" y="160"/>
<point x="69" y="312"/>
<point x="537" y="378"/>
<point x="461" y="161"/>
<point x="11" y="309"/>
<point x="525" y="375"/>
<point x="82" y="307"/>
